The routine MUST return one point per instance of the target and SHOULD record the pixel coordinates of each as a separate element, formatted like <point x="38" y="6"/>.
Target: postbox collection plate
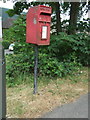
<point x="44" y="32"/>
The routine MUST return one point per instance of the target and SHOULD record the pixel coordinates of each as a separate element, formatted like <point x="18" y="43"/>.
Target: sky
<point x="8" y="4"/>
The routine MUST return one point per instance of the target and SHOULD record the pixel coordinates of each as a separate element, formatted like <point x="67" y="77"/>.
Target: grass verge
<point x="21" y="103"/>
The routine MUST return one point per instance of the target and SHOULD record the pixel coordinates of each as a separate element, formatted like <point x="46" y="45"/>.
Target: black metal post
<point x="35" y="69"/>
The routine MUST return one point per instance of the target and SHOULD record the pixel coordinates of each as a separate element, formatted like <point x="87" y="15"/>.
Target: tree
<point x="75" y="13"/>
<point x="58" y="19"/>
<point x="77" y="10"/>
<point x="74" y="10"/>
<point x="20" y="6"/>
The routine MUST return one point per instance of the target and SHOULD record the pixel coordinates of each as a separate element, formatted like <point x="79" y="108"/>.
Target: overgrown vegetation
<point x="65" y="54"/>
<point x="5" y="44"/>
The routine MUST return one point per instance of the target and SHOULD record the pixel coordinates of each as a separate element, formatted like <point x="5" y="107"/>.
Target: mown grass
<point x="52" y="92"/>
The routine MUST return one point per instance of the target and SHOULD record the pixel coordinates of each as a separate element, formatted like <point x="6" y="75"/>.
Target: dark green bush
<point x="63" y="45"/>
<point x="60" y="58"/>
<point x="5" y="44"/>
<point x="48" y="66"/>
<point x="81" y="47"/>
<point x="17" y="32"/>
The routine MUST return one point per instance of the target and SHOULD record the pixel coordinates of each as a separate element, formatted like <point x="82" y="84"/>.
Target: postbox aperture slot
<point x="48" y="14"/>
<point x="44" y="32"/>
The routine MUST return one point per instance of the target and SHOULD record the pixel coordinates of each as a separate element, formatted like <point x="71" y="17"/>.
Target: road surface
<point x="77" y="109"/>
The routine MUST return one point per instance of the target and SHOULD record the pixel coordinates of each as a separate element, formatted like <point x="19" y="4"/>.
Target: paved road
<point x="8" y="52"/>
<point x="77" y="109"/>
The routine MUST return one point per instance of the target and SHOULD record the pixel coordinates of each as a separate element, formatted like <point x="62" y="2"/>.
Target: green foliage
<point x="64" y="46"/>
<point x="60" y="58"/>
<point x="52" y="62"/>
<point x="65" y="6"/>
<point x="16" y="33"/>
<point x="8" y="35"/>
<point x="53" y="67"/>
<point x="10" y="12"/>
<point x="81" y="47"/>
<point x="83" y="25"/>
<point x="5" y="44"/>
<point x="17" y="65"/>
<point x="21" y="64"/>
<point x="18" y="8"/>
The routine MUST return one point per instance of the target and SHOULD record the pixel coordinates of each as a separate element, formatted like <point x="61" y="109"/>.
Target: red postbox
<point x="38" y="25"/>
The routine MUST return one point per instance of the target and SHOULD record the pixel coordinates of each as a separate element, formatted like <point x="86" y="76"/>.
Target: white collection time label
<point x="44" y="32"/>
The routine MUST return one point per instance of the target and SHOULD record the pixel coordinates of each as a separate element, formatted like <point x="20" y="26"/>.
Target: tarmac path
<point x="76" y="109"/>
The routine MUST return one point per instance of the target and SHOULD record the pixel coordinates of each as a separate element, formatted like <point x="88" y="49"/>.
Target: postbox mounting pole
<point x="35" y="69"/>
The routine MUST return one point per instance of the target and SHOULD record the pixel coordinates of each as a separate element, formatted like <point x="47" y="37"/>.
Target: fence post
<point x="2" y="75"/>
